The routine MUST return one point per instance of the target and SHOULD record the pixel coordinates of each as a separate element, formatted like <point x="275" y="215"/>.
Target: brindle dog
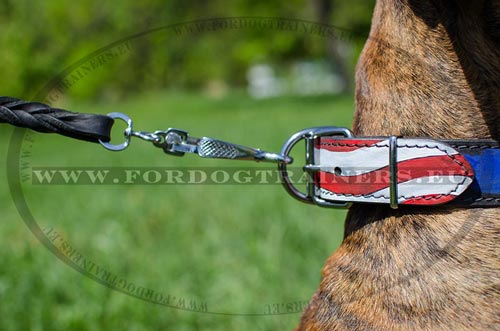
<point x="430" y="68"/>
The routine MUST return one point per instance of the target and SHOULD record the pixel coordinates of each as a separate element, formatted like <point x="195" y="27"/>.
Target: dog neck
<point x="430" y="68"/>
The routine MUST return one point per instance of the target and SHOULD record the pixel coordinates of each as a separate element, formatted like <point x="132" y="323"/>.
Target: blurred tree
<point x="336" y="57"/>
<point x="39" y="39"/>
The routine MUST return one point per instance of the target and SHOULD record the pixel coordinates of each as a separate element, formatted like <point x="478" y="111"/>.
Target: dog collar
<point x="344" y="169"/>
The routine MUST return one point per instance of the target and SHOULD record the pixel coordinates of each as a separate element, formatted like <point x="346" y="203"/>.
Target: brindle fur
<point x="429" y="68"/>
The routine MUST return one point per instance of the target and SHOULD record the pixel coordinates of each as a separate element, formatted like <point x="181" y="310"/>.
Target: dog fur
<point x="430" y="68"/>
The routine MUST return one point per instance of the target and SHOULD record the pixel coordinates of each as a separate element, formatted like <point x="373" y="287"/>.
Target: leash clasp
<point x="309" y="136"/>
<point x="178" y="142"/>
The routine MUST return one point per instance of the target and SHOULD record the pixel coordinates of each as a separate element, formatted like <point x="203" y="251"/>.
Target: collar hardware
<point x="310" y="136"/>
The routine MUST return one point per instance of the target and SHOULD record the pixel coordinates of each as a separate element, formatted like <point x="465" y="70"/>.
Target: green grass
<point x="235" y="248"/>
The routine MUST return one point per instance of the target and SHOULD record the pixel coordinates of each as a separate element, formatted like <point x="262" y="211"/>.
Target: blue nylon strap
<point x="484" y="157"/>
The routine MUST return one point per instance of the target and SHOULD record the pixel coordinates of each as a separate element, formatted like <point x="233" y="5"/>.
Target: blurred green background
<point x="248" y="256"/>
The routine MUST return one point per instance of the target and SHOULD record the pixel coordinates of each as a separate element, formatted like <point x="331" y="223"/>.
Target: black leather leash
<point x="43" y="118"/>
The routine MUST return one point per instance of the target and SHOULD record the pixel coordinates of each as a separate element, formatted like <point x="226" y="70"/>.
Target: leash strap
<point x="43" y="118"/>
<point x="401" y="171"/>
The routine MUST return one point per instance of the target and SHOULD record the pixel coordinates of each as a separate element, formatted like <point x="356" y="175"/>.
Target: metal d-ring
<point x="309" y="135"/>
<point x="282" y="167"/>
<point x="127" y="133"/>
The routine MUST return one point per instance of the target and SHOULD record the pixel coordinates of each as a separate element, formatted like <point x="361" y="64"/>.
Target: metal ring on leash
<point x="127" y="133"/>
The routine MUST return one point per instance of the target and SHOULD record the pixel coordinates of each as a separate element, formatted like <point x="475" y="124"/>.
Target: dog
<point x="430" y="68"/>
